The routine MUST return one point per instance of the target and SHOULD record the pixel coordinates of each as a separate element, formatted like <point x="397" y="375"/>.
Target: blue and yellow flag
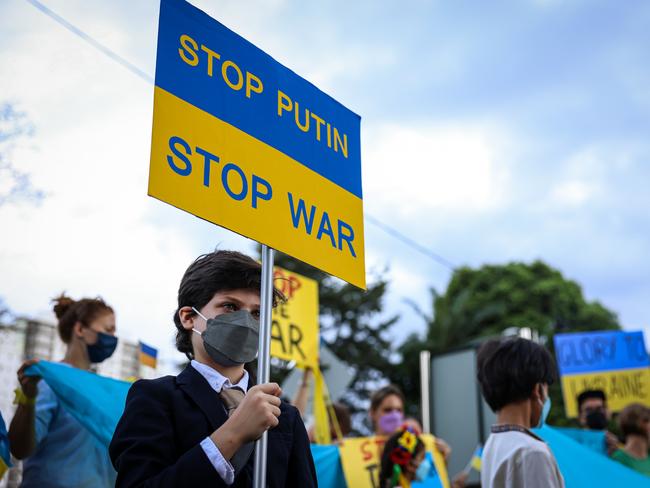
<point x="475" y="462"/>
<point x="95" y="401"/>
<point x="148" y="355"/>
<point x="5" y="458"/>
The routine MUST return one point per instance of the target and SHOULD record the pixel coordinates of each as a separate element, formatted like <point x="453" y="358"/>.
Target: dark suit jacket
<point x="156" y="442"/>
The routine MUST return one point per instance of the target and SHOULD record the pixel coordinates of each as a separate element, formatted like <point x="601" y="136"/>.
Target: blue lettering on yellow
<point x="260" y="189"/>
<point x="325" y="227"/>
<point x="208" y="157"/>
<point x="301" y="213"/>
<point x="174" y="142"/>
<point x="258" y="183"/>
<point x="228" y="168"/>
<point x="344" y="230"/>
<point x="347" y="236"/>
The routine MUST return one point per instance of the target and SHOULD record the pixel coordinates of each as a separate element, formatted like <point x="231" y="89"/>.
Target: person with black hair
<point x="593" y="414"/>
<point x="199" y="428"/>
<point x="514" y="375"/>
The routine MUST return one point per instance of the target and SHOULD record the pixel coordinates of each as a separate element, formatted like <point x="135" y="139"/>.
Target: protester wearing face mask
<point x="514" y="375"/>
<point x="199" y="428"/>
<point x="634" y="421"/>
<point x="387" y="410"/>
<point x="593" y="414"/>
<point x="59" y="451"/>
<point x="387" y="415"/>
<point x="403" y="460"/>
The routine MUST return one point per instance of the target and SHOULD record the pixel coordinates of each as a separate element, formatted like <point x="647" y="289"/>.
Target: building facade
<point x="28" y="338"/>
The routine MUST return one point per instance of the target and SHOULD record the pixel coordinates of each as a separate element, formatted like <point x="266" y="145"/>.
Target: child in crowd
<point x="199" y="428"/>
<point x="514" y="375"/>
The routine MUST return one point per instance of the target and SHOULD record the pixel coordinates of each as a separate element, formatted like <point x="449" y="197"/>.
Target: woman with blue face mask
<point x="58" y="450"/>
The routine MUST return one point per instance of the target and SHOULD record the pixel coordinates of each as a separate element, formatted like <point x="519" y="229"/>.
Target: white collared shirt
<point x="513" y="459"/>
<point x="217" y="382"/>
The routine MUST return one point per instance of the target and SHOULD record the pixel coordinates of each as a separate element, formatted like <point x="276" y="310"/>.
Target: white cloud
<point x="417" y="169"/>
<point x="97" y="232"/>
<point x="572" y="193"/>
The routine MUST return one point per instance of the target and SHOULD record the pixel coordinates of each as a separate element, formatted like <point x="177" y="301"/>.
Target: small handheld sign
<point x="242" y="141"/>
<point x="294" y="325"/>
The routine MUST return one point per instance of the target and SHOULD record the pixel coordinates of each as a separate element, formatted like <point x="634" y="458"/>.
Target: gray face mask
<point x="232" y="338"/>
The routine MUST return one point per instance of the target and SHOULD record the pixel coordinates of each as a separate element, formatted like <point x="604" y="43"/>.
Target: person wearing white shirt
<point x="514" y="375"/>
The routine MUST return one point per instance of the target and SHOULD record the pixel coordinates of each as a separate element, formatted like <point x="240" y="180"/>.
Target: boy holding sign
<point x="199" y="428"/>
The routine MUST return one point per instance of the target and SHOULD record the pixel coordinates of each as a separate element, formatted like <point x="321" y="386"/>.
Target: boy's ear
<point x="187" y="316"/>
<point x="537" y="392"/>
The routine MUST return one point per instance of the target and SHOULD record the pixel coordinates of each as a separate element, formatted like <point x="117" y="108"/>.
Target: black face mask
<point x="596" y="420"/>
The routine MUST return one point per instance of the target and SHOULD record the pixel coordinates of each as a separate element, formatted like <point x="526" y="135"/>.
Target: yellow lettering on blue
<point x="303" y="117"/>
<point x="231" y="74"/>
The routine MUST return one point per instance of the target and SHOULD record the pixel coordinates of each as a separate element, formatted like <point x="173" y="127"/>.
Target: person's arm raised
<point x="22" y="432"/>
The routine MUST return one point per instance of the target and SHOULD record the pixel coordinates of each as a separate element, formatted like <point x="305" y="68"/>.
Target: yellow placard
<point x="361" y="460"/>
<point x="622" y="387"/>
<point x="294" y="325"/>
<point x="322" y="421"/>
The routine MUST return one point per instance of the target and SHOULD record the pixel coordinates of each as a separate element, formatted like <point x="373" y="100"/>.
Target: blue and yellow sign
<point x="243" y="142"/>
<point x="613" y="361"/>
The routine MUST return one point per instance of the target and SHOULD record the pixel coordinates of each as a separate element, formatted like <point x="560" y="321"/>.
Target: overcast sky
<point x="491" y="132"/>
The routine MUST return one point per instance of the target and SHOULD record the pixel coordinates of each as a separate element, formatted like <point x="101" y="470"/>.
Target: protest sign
<point x="613" y="361"/>
<point x="243" y="142"/>
<point x="361" y="461"/>
<point x="294" y="324"/>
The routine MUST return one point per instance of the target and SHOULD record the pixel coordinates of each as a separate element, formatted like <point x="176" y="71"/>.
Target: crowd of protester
<point x="198" y="428"/>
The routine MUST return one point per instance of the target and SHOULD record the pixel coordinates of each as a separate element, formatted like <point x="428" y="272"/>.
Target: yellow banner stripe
<point x="622" y="387"/>
<point x="147" y="360"/>
<point x="328" y="246"/>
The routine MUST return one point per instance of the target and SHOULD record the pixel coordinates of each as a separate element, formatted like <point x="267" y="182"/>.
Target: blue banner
<point x="5" y="458"/>
<point x="592" y="439"/>
<point x="95" y="401"/>
<point x="587" y="352"/>
<point x="582" y="467"/>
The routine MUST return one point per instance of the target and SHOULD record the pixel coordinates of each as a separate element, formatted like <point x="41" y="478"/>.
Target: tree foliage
<point x="484" y="302"/>
<point x="352" y="326"/>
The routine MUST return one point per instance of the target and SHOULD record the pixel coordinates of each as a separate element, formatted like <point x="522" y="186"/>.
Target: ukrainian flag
<point x="475" y="462"/>
<point x="5" y="458"/>
<point x="148" y="355"/>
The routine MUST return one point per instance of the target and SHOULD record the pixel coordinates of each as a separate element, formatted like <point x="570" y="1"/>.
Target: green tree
<point x="483" y="302"/>
<point x="352" y="326"/>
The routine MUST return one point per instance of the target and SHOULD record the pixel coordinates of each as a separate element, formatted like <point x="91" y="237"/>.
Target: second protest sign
<point x="615" y="362"/>
<point x="294" y="325"/>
